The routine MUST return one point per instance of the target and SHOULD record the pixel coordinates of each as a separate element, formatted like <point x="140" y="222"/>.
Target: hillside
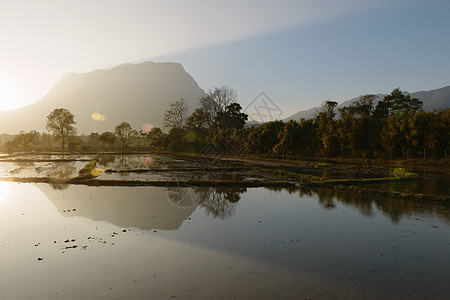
<point x="434" y="99"/>
<point x="136" y="94"/>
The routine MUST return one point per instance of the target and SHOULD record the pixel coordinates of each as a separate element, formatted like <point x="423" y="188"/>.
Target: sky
<point x="299" y="53"/>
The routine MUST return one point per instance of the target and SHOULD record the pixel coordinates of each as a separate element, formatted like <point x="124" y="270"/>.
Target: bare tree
<point x="218" y="99"/>
<point x="176" y="116"/>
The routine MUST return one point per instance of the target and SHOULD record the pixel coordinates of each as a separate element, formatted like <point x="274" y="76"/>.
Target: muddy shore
<point x="354" y="176"/>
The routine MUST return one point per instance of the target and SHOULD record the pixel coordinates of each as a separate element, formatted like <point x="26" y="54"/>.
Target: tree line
<point x="395" y="127"/>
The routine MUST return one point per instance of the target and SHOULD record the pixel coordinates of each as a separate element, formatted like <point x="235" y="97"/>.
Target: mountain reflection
<point x="146" y="208"/>
<point x="151" y="208"/>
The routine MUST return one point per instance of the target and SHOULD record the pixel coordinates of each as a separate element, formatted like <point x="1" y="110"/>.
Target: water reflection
<point x="394" y="209"/>
<point x="20" y="166"/>
<point x="218" y="202"/>
<point x="63" y="170"/>
<point x="221" y="202"/>
<point x="122" y="162"/>
<point x="147" y="208"/>
<point x="435" y="184"/>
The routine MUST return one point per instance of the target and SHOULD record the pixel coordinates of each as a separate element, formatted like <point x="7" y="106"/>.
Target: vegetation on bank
<point x="394" y="128"/>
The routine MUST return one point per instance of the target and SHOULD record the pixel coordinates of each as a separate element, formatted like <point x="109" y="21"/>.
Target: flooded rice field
<point x="116" y="242"/>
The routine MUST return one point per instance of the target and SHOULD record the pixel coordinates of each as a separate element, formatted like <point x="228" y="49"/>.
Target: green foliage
<point x="396" y="128"/>
<point x="396" y="102"/>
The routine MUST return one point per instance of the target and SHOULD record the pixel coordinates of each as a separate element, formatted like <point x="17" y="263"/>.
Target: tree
<point x="107" y="139"/>
<point x="124" y="133"/>
<point x="263" y="139"/>
<point x="199" y="121"/>
<point x="360" y="108"/>
<point x="94" y="139"/>
<point x="328" y="109"/>
<point x="60" y="123"/>
<point x="396" y="102"/>
<point x="218" y="99"/>
<point x="198" y="126"/>
<point x="26" y="141"/>
<point x="232" y="117"/>
<point x="176" y="115"/>
<point x="216" y="103"/>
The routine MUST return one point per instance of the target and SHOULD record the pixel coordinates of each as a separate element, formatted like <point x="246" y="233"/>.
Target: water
<point x="52" y="166"/>
<point x="218" y="243"/>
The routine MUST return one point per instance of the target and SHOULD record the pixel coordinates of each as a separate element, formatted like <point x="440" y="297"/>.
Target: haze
<point x="298" y="52"/>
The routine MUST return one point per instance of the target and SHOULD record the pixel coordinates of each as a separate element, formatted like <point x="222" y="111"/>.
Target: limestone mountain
<point x="101" y="99"/>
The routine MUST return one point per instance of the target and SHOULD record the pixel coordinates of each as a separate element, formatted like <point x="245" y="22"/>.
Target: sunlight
<point x="5" y="189"/>
<point x="7" y="93"/>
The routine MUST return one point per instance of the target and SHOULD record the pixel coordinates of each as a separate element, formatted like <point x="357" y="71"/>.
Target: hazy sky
<point x="298" y="52"/>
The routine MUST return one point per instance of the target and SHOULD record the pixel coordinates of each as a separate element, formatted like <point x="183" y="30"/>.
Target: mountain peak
<point x="133" y="93"/>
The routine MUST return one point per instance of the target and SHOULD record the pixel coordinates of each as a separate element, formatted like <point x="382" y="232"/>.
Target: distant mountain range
<point x="434" y="99"/>
<point x="102" y="99"/>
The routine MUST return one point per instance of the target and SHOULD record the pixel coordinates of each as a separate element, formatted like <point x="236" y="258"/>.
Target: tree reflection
<point x="221" y="202"/>
<point x="63" y="170"/>
<point x="59" y="186"/>
<point x="394" y="209"/>
<point x="21" y="166"/>
<point x="125" y="161"/>
<point x="183" y="196"/>
<point x="106" y="160"/>
<point x="218" y="202"/>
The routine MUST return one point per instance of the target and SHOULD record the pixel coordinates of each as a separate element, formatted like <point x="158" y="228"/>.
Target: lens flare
<point x="98" y="117"/>
<point x="96" y="172"/>
<point x="147" y="127"/>
<point x="147" y="161"/>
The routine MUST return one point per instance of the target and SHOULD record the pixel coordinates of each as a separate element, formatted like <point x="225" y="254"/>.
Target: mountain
<point x="102" y="99"/>
<point x="434" y="99"/>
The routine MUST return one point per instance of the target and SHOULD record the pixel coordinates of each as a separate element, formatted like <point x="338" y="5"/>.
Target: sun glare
<point x="7" y="93"/>
<point x="4" y="191"/>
